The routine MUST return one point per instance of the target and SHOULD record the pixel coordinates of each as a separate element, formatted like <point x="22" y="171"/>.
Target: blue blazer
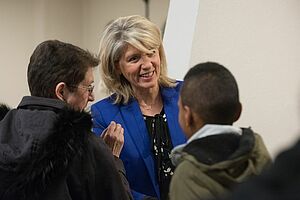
<point x="136" y="153"/>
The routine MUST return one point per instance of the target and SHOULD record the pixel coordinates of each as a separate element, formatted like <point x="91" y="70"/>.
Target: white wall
<point x="15" y="48"/>
<point x="24" y="24"/>
<point x="179" y="34"/>
<point x="259" y="41"/>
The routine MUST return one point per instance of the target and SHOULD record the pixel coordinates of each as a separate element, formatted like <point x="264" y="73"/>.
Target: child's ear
<point x="60" y="91"/>
<point x="238" y="112"/>
<point x="191" y="122"/>
<point x="188" y="117"/>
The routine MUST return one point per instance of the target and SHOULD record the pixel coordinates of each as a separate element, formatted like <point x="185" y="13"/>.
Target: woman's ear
<point x="117" y="68"/>
<point x="60" y="91"/>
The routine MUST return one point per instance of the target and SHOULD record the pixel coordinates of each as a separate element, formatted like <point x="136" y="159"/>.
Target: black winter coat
<point x="47" y="151"/>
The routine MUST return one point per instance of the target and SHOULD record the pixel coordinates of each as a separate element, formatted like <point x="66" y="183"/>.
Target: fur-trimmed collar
<point x="49" y="159"/>
<point x="3" y="110"/>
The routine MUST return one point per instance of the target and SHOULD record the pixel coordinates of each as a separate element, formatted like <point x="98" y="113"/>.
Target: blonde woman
<point x="143" y="102"/>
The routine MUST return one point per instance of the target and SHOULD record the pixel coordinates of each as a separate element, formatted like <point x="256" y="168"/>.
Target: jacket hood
<point x="229" y="158"/>
<point x="38" y="145"/>
<point x="217" y="148"/>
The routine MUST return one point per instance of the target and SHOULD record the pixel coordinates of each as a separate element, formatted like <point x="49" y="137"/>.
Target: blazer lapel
<point x="170" y="98"/>
<point x="141" y="141"/>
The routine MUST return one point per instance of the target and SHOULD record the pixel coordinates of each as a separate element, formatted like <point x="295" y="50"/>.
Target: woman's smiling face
<point x="141" y="69"/>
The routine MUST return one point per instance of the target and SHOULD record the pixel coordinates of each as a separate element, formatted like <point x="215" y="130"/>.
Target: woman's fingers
<point x="114" y="138"/>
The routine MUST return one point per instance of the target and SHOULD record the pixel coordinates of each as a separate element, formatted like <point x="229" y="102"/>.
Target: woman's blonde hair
<point x="117" y="35"/>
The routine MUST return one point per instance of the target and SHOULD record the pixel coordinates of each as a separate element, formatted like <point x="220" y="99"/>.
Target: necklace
<point x="146" y="107"/>
<point x="153" y="105"/>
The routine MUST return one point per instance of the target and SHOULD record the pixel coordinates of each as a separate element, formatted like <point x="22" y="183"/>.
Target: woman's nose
<point x="146" y="61"/>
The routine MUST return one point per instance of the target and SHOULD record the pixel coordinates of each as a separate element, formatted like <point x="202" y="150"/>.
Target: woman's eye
<point x="133" y="59"/>
<point x="152" y="53"/>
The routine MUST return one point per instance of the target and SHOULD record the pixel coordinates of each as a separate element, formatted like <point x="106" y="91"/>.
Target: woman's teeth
<point x="147" y="74"/>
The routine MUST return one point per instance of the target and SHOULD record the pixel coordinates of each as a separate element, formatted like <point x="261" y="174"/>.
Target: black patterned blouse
<point x="161" y="145"/>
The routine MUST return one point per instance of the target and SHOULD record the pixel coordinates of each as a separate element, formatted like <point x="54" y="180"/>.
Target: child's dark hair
<point x="211" y="91"/>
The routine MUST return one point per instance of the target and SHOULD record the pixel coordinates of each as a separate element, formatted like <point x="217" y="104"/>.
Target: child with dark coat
<point x="217" y="155"/>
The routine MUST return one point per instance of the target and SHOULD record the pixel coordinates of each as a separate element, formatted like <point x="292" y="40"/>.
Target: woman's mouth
<point x="147" y="75"/>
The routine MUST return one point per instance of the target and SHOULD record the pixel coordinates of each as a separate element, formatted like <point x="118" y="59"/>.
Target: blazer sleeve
<point x="98" y="121"/>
